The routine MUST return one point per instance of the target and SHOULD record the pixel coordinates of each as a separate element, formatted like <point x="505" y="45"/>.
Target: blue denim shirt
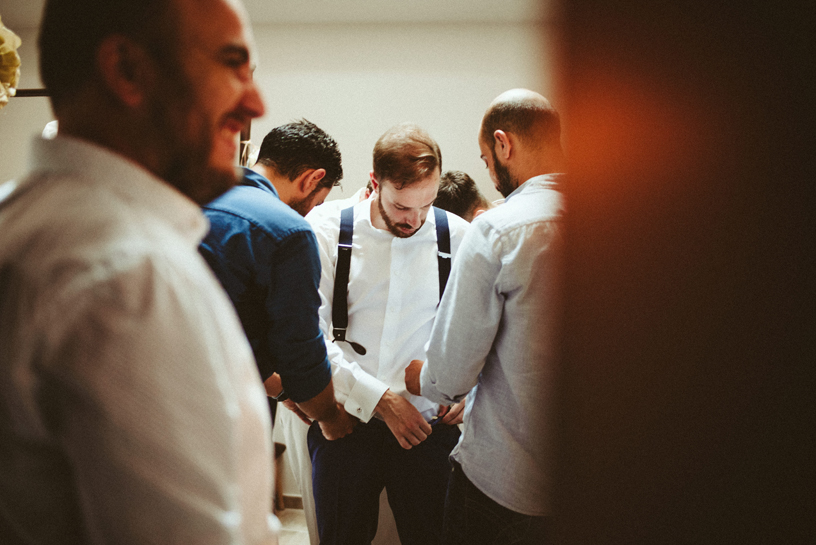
<point x="265" y="256"/>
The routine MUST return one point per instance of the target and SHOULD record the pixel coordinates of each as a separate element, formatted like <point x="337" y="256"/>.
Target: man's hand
<point x="338" y="424"/>
<point x="412" y="377"/>
<point x="333" y="419"/>
<point x="403" y="420"/>
<point x="454" y="414"/>
<point x="292" y="406"/>
<point x="273" y="385"/>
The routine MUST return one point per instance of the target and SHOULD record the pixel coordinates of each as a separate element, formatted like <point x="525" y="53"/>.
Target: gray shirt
<point x="495" y="331"/>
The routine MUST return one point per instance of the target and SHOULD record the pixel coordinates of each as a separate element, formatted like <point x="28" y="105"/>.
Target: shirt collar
<point x="135" y="184"/>
<point x="541" y="181"/>
<point x="253" y="179"/>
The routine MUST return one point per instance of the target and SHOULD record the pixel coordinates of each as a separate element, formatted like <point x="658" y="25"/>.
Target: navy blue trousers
<point x="472" y="518"/>
<point x="349" y="474"/>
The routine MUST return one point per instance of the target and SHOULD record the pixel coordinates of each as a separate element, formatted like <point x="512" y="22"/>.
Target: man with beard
<point x="265" y="256"/>
<point x="130" y="407"/>
<point x="496" y="330"/>
<point x="389" y="296"/>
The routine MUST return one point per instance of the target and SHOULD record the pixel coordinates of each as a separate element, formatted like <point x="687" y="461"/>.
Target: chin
<point x="211" y="184"/>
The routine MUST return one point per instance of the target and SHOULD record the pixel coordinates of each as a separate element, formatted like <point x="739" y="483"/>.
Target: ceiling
<point x="20" y="14"/>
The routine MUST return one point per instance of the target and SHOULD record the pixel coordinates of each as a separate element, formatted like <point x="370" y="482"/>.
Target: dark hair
<point x="458" y="194"/>
<point x="406" y="154"/>
<point x="293" y="148"/>
<point x="72" y="31"/>
<point x="527" y="119"/>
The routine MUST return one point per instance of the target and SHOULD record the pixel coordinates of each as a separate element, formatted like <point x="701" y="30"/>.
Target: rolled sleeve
<point x="295" y="341"/>
<point x="467" y="321"/>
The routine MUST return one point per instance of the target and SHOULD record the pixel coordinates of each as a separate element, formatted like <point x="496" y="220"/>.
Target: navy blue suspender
<point x="443" y="250"/>
<point x="341" y="277"/>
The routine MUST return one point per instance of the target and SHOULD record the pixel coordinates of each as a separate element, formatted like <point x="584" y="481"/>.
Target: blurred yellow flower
<point x="9" y="64"/>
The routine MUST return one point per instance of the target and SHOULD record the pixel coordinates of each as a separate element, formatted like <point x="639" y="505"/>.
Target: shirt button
<point x="359" y="409"/>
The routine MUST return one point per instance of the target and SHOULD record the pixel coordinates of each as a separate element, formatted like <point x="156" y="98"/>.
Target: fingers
<point x="414" y="432"/>
<point x="411" y="438"/>
<point x="292" y="406"/>
<point x="404" y="421"/>
<point x="454" y="414"/>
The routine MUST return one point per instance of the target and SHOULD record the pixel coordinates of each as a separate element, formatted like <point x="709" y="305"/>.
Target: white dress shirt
<point x="393" y="294"/>
<point x="335" y="206"/>
<point x="131" y="410"/>
<point x="495" y="330"/>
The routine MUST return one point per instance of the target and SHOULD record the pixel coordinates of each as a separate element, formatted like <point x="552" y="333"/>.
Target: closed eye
<point x="234" y="56"/>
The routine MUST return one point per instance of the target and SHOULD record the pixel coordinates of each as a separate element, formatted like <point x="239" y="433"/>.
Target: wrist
<point x="385" y="402"/>
<point x="334" y="414"/>
<point x="282" y="396"/>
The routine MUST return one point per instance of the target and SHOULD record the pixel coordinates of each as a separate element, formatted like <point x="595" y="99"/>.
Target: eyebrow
<point x="409" y="207"/>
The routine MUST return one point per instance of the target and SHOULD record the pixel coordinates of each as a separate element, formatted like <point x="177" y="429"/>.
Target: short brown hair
<point x="459" y="195"/>
<point x="526" y="119"/>
<point x="405" y="154"/>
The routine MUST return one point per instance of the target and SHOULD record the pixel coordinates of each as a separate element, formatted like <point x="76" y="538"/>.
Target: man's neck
<point x="538" y="166"/>
<point x="282" y="185"/>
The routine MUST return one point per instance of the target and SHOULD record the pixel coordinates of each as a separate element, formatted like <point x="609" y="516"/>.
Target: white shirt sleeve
<point x="357" y="390"/>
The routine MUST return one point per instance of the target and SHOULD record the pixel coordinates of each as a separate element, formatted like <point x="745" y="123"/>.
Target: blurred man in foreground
<point x="131" y="408"/>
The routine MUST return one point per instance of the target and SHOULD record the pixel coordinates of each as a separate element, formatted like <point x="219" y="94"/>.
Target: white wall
<point x="22" y="118"/>
<point x="356" y="81"/>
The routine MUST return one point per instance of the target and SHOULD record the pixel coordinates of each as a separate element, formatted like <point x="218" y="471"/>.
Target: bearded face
<point x="504" y="181"/>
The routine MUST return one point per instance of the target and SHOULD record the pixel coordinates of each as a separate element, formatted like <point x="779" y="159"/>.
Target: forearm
<point x="322" y="407"/>
<point x="465" y="325"/>
<point x="294" y="339"/>
<point x="333" y="420"/>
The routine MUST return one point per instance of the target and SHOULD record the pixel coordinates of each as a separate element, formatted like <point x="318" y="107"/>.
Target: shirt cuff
<point x="364" y="396"/>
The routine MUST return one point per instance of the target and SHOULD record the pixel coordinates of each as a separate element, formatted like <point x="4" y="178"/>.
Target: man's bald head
<point x="72" y="31"/>
<point x="526" y="114"/>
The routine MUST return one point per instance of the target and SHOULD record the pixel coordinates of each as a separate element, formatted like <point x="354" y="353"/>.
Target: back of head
<point x="72" y="31"/>
<point x="406" y="154"/>
<point x="293" y="148"/>
<point x="459" y="195"/>
<point x="525" y="114"/>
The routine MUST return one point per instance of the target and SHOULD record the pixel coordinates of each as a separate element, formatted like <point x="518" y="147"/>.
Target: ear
<point x="502" y="146"/>
<point x="125" y="68"/>
<point x="374" y="183"/>
<point x="307" y="182"/>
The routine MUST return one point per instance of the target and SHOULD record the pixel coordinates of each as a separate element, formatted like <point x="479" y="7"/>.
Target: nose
<point x="414" y="218"/>
<point x="252" y="103"/>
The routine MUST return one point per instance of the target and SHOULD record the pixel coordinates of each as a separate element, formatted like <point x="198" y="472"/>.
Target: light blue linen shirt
<point x="495" y="330"/>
